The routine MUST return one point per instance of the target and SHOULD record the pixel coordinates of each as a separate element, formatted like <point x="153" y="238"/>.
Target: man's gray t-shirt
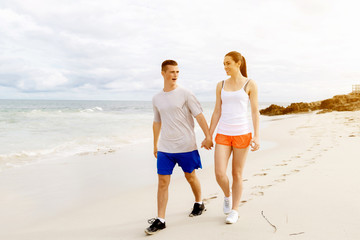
<point x="175" y="110"/>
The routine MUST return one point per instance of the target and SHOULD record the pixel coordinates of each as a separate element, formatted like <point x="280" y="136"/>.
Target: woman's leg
<point x="239" y="158"/>
<point x="222" y="154"/>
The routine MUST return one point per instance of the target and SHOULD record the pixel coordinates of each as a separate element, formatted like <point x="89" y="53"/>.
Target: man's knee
<point x="191" y="177"/>
<point x="164" y="181"/>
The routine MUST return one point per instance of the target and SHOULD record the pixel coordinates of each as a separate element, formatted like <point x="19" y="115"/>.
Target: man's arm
<point x="217" y="110"/>
<point x="156" y="132"/>
<point x="207" y="143"/>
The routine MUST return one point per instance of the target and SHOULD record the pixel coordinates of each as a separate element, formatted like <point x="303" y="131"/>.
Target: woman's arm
<point x="253" y="94"/>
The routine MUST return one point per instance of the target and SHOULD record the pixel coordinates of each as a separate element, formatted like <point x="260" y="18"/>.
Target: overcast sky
<point x="296" y="50"/>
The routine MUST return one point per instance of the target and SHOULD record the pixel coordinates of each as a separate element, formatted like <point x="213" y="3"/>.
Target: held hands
<point x="207" y="143"/>
<point x="254" y="144"/>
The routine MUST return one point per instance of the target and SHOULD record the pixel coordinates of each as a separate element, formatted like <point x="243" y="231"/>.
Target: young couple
<point x="174" y="109"/>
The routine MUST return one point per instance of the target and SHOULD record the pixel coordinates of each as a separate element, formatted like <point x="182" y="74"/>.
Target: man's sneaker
<point x="232" y="217"/>
<point x="227" y="205"/>
<point x="156" y="226"/>
<point x="197" y="209"/>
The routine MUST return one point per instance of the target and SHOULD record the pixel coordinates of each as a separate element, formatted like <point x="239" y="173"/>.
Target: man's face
<point x="170" y="74"/>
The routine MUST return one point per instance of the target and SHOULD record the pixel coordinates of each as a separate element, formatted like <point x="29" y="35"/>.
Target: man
<point x="174" y="109"/>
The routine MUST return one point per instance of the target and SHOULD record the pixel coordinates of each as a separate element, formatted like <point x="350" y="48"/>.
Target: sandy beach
<point x="306" y="186"/>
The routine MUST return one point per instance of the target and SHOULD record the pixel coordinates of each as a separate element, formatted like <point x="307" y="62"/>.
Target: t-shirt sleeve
<point x="194" y="104"/>
<point x="157" y="117"/>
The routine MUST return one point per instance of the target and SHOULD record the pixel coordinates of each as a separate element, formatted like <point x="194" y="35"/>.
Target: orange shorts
<point x="240" y="141"/>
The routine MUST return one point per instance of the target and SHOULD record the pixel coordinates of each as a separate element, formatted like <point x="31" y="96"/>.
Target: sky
<point x="296" y="50"/>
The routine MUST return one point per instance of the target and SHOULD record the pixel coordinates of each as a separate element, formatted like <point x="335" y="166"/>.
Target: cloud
<point x="113" y="49"/>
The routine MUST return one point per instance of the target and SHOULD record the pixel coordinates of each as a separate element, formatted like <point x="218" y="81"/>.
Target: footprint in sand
<point x="303" y="166"/>
<point x="265" y="169"/>
<point x="295" y="170"/>
<point x="281" y="165"/>
<point x="245" y="180"/>
<point x="285" y="174"/>
<point x="83" y="154"/>
<point x="262" y="187"/>
<point x="280" y="180"/>
<point x="244" y="201"/>
<point x="260" y="174"/>
<point x="258" y="193"/>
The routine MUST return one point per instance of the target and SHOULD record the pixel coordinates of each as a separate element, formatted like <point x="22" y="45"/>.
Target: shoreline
<point x="292" y="182"/>
<point x="34" y="131"/>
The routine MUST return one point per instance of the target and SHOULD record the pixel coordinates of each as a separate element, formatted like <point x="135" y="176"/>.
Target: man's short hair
<point x="167" y="62"/>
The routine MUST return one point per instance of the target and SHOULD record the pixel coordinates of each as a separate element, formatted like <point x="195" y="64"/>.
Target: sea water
<point x="31" y="130"/>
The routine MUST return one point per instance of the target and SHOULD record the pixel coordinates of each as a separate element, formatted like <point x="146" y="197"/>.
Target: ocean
<point x="33" y="130"/>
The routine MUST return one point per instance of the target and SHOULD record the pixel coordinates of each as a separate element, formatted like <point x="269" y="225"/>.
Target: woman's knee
<point x="237" y="176"/>
<point x="220" y="175"/>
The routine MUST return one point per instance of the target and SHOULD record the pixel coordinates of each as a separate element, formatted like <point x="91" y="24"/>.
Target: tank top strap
<point x="246" y="83"/>
<point x="223" y="83"/>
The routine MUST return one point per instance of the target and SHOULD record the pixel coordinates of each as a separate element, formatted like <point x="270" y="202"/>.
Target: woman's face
<point x="230" y="66"/>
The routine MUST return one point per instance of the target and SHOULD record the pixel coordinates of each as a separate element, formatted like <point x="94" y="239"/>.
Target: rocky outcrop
<point x="272" y="110"/>
<point x="348" y="102"/>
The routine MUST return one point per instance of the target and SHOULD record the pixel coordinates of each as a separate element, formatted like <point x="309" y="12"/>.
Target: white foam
<point x="94" y="109"/>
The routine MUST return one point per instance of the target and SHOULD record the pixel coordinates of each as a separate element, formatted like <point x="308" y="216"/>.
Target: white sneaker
<point x="227" y="205"/>
<point x="232" y="217"/>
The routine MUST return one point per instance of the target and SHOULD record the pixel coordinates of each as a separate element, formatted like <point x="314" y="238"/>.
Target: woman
<point x="234" y="130"/>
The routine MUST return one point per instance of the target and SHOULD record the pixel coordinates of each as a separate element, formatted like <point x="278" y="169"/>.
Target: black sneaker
<point x="197" y="209"/>
<point x="156" y="225"/>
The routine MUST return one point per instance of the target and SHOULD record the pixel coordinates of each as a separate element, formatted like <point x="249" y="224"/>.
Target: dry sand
<point x="306" y="186"/>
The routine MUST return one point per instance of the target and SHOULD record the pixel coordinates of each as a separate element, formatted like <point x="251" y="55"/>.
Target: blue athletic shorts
<point x="188" y="161"/>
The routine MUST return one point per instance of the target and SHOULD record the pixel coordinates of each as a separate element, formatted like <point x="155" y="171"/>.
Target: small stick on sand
<point x="206" y="200"/>
<point x="275" y="229"/>
<point x="293" y="234"/>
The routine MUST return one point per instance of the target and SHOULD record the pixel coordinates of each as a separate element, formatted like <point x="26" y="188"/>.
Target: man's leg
<point x="195" y="185"/>
<point x="162" y="195"/>
<point x="194" y="182"/>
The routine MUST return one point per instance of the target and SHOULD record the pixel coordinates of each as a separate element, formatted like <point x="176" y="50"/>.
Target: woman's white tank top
<point x="234" y="119"/>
